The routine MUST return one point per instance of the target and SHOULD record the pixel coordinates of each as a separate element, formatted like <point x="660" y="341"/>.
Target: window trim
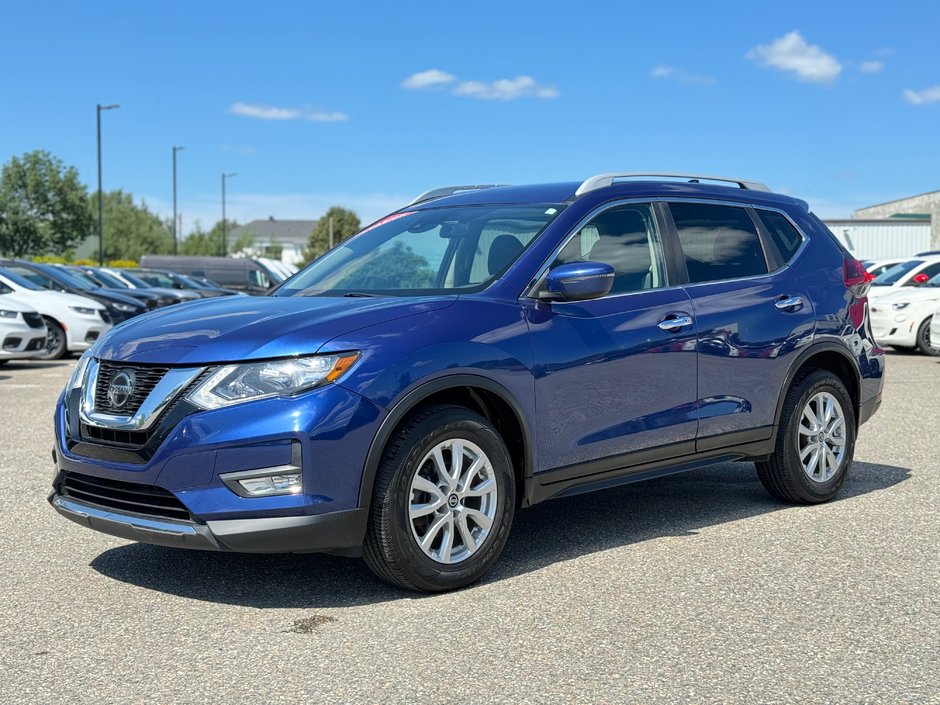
<point x="536" y="282"/>
<point x="803" y="239"/>
<point x="680" y="255"/>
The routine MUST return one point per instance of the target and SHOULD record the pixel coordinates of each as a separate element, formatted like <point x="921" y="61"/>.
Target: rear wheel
<point x="443" y="501"/>
<point x="923" y="339"/>
<point x="815" y="441"/>
<point x="55" y="341"/>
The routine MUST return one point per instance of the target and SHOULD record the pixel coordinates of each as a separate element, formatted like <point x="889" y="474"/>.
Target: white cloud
<point x="682" y="76"/>
<point x="432" y="78"/>
<point x="506" y="89"/>
<point x="502" y="89"/>
<point x="871" y="66"/>
<point x="793" y="54"/>
<point x="924" y="97"/>
<point x="271" y="112"/>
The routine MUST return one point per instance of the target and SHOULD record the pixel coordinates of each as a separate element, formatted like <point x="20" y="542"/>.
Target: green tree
<point x="398" y="267"/>
<point x="43" y="206"/>
<point x="345" y="225"/>
<point x="131" y="230"/>
<point x="209" y="243"/>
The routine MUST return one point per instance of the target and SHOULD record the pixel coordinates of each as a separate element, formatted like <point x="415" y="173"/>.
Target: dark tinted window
<point x="719" y="242"/>
<point x="896" y="273"/>
<point x="4" y="289"/>
<point x="785" y="236"/>
<point x="930" y="271"/>
<point x="626" y="238"/>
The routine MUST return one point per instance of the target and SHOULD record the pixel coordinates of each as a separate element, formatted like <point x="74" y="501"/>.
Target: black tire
<point x="390" y="548"/>
<point x="782" y="474"/>
<point x="923" y="339"/>
<point x="55" y="341"/>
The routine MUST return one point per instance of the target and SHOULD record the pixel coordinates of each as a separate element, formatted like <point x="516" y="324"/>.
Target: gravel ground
<point x="695" y="588"/>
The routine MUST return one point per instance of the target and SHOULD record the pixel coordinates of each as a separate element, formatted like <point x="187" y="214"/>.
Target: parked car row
<point x="75" y="305"/>
<point x="905" y="303"/>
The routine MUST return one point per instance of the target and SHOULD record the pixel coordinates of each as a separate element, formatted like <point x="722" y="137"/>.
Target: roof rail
<point x="449" y="191"/>
<point x="604" y="180"/>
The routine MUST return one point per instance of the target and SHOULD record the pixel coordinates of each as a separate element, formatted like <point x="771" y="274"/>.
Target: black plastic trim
<point x="412" y="399"/>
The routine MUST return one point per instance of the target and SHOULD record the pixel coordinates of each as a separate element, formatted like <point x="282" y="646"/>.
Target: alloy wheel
<point x="453" y="501"/>
<point x="822" y="437"/>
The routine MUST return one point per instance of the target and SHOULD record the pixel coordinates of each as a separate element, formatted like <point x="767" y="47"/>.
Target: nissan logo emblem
<point x="121" y="388"/>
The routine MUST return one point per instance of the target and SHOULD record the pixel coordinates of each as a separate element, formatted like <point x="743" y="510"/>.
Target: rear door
<point x="752" y="312"/>
<point x="613" y="377"/>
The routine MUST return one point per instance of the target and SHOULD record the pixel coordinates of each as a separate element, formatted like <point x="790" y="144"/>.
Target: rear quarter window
<point x="784" y="235"/>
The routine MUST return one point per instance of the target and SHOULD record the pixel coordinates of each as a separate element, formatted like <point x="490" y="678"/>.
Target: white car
<point x="910" y="273"/>
<point x="907" y="318"/>
<point x="22" y="329"/>
<point x="74" y="322"/>
<point x="880" y="266"/>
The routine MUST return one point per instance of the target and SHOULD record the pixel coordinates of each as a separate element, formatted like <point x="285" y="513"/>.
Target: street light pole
<point x="176" y="239"/>
<point x="98" y="108"/>
<point x="224" y="232"/>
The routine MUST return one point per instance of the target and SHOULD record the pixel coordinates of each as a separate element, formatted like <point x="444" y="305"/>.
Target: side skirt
<point x="648" y="464"/>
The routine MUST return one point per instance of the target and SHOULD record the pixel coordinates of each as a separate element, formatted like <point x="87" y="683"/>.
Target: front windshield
<point x="20" y="281"/>
<point x="156" y="279"/>
<point x="896" y="273"/>
<point x="441" y="250"/>
<point x="63" y="275"/>
<point x="82" y="276"/>
<point x="135" y="280"/>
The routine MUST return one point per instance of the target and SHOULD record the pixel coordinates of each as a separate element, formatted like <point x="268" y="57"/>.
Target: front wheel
<point x="55" y="341"/>
<point x="443" y="501"/>
<point x="923" y="339"/>
<point x="815" y="441"/>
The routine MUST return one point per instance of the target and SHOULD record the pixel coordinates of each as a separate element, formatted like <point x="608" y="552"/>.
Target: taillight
<point x="857" y="278"/>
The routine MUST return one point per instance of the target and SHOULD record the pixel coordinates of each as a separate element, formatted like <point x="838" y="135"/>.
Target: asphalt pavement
<point x="695" y="588"/>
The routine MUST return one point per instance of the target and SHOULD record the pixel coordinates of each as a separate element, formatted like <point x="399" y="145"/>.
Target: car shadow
<point x="548" y="533"/>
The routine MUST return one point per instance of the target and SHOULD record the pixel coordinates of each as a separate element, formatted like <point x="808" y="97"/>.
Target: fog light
<point x="289" y="483"/>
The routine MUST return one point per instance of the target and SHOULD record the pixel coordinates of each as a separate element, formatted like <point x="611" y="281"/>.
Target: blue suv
<point x="481" y="350"/>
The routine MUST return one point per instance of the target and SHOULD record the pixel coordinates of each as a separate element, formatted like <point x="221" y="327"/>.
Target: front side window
<point x="626" y="238"/>
<point x="718" y="242"/>
<point x="929" y="271"/>
<point x="896" y="273"/>
<point x="439" y="250"/>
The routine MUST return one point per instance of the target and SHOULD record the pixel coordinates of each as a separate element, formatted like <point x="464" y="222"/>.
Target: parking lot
<point x="694" y="588"/>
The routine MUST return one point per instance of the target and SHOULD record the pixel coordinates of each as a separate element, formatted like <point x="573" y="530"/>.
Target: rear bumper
<point x="868" y="408"/>
<point x="339" y="532"/>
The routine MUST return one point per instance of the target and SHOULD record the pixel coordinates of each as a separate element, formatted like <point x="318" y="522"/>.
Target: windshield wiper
<point x="358" y="294"/>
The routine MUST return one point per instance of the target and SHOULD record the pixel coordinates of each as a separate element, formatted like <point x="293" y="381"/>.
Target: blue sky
<point x="311" y="103"/>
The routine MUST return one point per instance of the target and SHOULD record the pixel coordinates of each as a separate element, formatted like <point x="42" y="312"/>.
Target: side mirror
<point x="578" y="281"/>
<point x="920" y="279"/>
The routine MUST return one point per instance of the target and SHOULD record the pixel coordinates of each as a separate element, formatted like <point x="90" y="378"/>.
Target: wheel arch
<point x="480" y="394"/>
<point x="828" y="356"/>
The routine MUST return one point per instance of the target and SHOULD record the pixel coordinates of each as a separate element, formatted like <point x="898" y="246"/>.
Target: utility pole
<point x="331" y="232"/>
<point x="224" y="231"/>
<point x="176" y="239"/>
<point x="98" y="108"/>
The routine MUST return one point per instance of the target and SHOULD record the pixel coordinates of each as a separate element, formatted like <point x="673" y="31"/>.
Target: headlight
<point x="233" y="384"/>
<point x="78" y="374"/>
<point x="900" y="305"/>
<point x="84" y="311"/>
<point x="126" y="308"/>
<point x="8" y="314"/>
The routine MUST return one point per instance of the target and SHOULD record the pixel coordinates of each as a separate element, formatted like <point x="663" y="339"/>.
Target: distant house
<point x="283" y="240"/>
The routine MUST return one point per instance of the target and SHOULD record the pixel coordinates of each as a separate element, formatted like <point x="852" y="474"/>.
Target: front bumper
<point x="336" y="532"/>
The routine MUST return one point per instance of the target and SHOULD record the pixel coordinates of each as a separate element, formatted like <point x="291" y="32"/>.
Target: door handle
<point x="792" y="302"/>
<point x="674" y="323"/>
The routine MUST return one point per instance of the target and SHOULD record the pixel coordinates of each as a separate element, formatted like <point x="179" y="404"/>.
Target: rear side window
<point x="719" y="242"/>
<point x="785" y="236"/>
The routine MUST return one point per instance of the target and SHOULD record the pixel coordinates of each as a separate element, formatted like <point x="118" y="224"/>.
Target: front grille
<point x="145" y="379"/>
<point x="124" y="496"/>
<point x="33" y="320"/>
<point x="114" y="436"/>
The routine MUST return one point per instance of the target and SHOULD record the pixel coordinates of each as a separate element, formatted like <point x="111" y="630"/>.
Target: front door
<point x="615" y="375"/>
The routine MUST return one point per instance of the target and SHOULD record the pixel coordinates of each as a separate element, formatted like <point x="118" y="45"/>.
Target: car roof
<point x="564" y="192"/>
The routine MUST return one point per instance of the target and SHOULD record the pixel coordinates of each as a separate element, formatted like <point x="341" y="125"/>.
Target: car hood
<point x="14" y="302"/>
<point x="235" y="328"/>
<point x="910" y="293"/>
<point x="48" y="300"/>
